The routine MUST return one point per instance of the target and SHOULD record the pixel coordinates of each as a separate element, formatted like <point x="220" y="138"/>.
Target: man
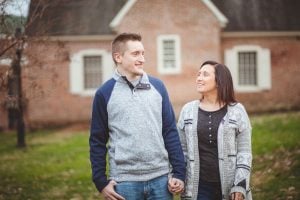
<point x="133" y="114"/>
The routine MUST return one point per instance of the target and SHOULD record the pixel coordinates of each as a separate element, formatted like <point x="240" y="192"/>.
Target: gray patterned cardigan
<point x="234" y="150"/>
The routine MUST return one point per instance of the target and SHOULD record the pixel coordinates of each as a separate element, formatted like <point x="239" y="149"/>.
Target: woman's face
<point x="205" y="81"/>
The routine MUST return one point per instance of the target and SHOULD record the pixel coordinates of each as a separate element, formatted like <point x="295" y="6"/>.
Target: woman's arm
<point x="182" y="136"/>
<point x="244" y="154"/>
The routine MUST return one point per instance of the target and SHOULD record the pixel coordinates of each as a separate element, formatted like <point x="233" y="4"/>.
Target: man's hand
<point x="237" y="196"/>
<point x="175" y="185"/>
<point x="109" y="192"/>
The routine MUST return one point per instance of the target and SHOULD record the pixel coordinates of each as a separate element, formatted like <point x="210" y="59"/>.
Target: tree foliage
<point x="17" y="56"/>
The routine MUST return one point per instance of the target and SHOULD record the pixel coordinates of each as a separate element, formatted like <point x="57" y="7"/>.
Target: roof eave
<point x="219" y="15"/>
<point x="230" y="34"/>
<point x="118" y="18"/>
<point x="81" y="38"/>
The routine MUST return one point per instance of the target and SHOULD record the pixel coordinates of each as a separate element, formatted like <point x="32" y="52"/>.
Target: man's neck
<point x="130" y="77"/>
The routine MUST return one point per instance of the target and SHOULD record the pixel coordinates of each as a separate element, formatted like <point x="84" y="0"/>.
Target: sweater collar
<point x="141" y="83"/>
<point x="118" y="77"/>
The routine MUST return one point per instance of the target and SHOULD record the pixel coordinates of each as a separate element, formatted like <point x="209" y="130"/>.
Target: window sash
<point x="247" y="68"/>
<point x="169" y="54"/>
<point x="92" y="71"/>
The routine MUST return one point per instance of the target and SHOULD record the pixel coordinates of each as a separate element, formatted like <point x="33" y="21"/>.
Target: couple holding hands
<point x="205" y="156"/>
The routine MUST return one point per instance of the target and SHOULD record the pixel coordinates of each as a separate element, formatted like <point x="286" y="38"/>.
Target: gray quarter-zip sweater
<point x="134" y="124"/>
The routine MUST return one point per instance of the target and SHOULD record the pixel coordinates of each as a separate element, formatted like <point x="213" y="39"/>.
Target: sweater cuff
<point x="179" y="177"/>
<point x="238" y="189"/>
<point x="101" y="185"/>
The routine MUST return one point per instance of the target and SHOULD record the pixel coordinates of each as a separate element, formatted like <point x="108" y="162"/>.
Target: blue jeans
<point x="154" y="189"/>
<point x="209" y="191"/>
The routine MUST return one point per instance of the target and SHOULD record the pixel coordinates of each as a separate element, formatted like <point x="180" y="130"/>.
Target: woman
<point x="215" y="133"/>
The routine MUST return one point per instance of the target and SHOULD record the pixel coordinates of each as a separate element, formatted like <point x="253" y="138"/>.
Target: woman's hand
<point x="175" y="185"/>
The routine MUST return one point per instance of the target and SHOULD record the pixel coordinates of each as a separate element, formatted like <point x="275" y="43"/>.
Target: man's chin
<point x="140" y="71"/>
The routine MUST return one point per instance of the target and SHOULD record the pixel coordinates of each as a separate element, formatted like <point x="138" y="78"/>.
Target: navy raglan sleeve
<point x="98" y="139"/>
<point x="170" y="134"/>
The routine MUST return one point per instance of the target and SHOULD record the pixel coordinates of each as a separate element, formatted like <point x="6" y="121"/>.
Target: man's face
<point x="131" y="61"/>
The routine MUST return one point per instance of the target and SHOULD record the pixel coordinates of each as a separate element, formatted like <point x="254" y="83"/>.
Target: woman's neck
<point x="210" y="103"/>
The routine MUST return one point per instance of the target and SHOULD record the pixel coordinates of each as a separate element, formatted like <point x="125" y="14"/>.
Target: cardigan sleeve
<point x="244" y="154"/>
<point x="182" y="136"/>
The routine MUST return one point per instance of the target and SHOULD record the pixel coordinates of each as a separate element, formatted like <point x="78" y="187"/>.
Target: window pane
<point x="247" y="68"/>
<point x="92" y="71"/>
<point x="169" y="54"/>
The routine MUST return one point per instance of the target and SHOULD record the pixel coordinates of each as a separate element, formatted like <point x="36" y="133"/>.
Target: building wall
<point x="199" y="32"/>
<point x="47" y="84"/>
<point x="3" y="93"/>
<point x="46" y="78"/>
<point x="285" y="74"/>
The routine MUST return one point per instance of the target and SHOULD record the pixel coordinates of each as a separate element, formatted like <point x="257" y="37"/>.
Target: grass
<point x="55" y="164"/>
<point x="276" y="149"/>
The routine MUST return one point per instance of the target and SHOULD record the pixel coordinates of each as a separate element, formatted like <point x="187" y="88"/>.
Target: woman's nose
<point x="199" y="78"/>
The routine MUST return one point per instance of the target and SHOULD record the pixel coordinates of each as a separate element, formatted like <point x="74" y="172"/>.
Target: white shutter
<point x="231" y="61"/>
<point x="264" y="75"/>
<point x="76" y="74"/>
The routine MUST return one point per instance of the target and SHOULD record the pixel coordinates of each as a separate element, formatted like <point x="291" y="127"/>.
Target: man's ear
<point x="117" y="57"/>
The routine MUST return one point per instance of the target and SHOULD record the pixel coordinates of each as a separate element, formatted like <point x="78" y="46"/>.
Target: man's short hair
<point x="118" y="44"/>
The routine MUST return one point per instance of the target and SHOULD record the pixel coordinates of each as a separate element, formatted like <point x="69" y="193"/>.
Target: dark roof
<point x="72" y="17"/>
<point x="260" y="15"/>
<point x="92" y="17"/>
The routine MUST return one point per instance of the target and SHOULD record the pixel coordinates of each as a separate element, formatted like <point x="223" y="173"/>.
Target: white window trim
<point x="5" y="61"/>
<point x="263" y="67"/>
<point x="161" y="68"/>
<point x="8" y="61"/>
<point x="77" y="71"/>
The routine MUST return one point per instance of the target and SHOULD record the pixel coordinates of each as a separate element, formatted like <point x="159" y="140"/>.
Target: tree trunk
<point x="17" y="72"/>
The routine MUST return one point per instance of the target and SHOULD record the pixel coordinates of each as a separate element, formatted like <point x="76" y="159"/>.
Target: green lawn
<point x="276" y="149"/>
<point x="55" y="164"/>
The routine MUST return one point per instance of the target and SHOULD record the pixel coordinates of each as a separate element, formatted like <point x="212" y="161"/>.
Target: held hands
<point x="237" y="196"/>
<point x="175" y="185"/>
<point x="109" y="192"/>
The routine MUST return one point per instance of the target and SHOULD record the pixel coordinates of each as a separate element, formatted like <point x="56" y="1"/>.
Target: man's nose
<point x="141" y="58"/>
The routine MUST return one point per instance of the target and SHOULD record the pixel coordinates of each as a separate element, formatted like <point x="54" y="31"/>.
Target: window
<point x="250" y="67"/>
<point x="92" y="71"/>
<point x="169" y="61"/>
<point x="247" y="68"/>
<point x="169" y="54"/>
<point x="88" y="70"/>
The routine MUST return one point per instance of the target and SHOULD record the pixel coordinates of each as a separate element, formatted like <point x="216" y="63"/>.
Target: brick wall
<point x="199" y="32"/>
<point x="47" y="82"/>
<point x="285" y="70"/>
<point x="3" y="93"/>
